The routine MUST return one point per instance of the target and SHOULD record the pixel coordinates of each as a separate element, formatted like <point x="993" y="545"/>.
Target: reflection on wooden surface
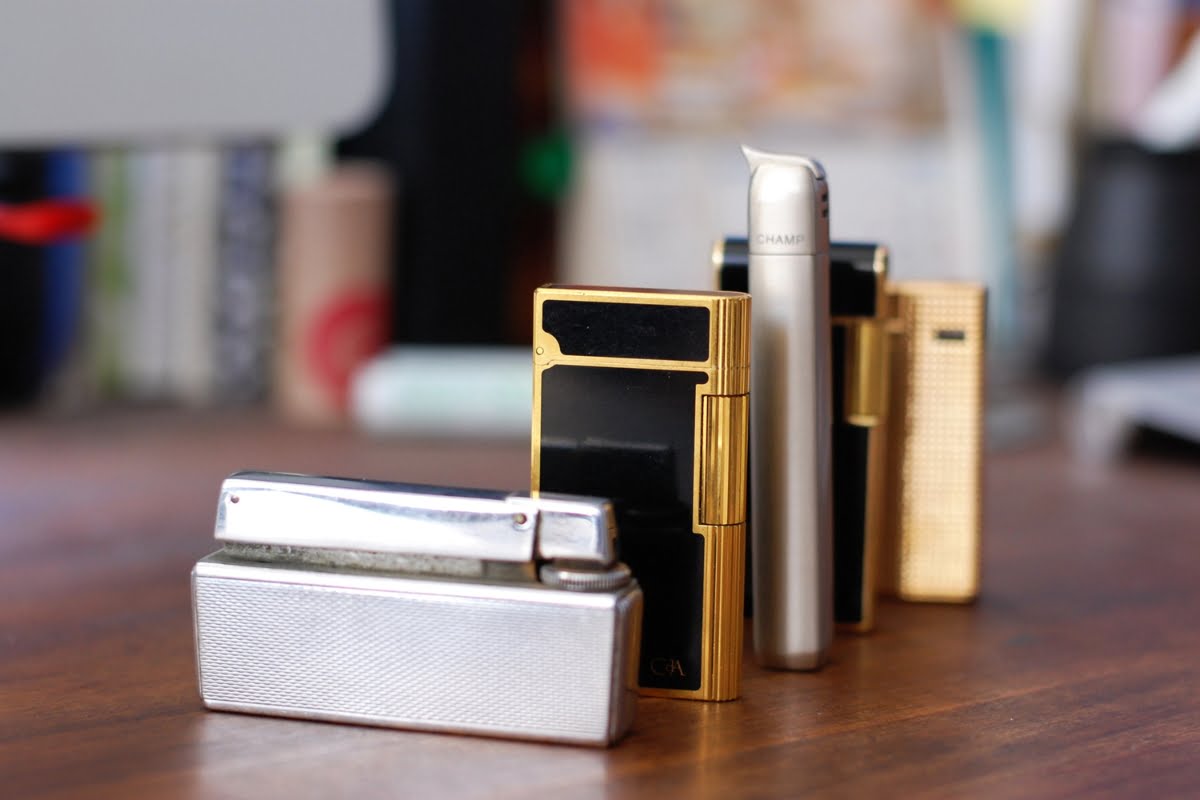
<point x="1074" y="673"/>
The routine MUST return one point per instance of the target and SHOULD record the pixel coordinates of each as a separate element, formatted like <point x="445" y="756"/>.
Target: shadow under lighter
<point x="642" y="396"/>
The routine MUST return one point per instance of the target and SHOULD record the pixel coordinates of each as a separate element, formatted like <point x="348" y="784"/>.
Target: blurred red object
<point x="45" y="222"/>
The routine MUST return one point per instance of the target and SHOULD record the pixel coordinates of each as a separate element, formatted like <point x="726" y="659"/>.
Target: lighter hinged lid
<point x="303" y="511"/>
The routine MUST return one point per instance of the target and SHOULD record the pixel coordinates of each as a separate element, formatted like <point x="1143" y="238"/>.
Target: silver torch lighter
<point x="418" y="607"/>
<point x="790" y="422"/>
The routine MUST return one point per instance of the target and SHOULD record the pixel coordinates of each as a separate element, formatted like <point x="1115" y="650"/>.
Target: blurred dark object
<point x="470" y="91"/>
<point x="1159" y="445"/>
<point x="22" y="180"/>
<point x="1127" y="277"/>
<point x="244" y="306"/>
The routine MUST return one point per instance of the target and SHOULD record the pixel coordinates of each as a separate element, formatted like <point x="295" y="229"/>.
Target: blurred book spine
<point x="108" y="272"/>
<point x="64" y="352"/>
<point x="66" y="179"/>
<point x="244" y="303"/>
<point x="22" y="270"/>
<point x="145" y="319"/>
<point x="179" y="304"/>
<point x="192" y="211"/>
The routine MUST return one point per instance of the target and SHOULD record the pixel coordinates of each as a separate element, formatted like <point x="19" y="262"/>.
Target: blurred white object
<point x="1047" y="83"/>
<point x="82" y="72"/>
<point x="1109" y="403"/>
<point x="446" y="390"/>
<point x="1170" y="120"/>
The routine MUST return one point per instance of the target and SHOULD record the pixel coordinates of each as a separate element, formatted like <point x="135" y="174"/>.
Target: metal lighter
<point x="642" y="396"/>
<point x="418" y="607"/>
<point x="859" y="308"/>
<point x="790" y="412"/>
<point x="932" y="537"/>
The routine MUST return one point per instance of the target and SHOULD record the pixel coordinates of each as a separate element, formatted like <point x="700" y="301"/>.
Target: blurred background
<point x="339" y="213"/>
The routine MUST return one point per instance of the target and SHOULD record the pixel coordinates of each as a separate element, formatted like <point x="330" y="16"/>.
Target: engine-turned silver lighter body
<point x="791" y="468"/>
<point x="418" y="607"/>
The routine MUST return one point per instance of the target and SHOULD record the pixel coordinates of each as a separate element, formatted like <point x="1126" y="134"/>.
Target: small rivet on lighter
<point x="233" y="498"/>
<point x="540" y="351"/>
<point x="520" y="519"/>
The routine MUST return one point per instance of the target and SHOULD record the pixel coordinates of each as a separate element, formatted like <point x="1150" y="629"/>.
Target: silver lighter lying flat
<point x="418" y="607"/>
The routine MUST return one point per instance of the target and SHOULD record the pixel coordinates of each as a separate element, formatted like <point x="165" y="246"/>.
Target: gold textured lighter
<point x="642" y="396"/>
<point x="932" y="537"/>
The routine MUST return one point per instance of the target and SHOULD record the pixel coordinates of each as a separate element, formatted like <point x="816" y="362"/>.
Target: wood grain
<point x="1078" y="672"/>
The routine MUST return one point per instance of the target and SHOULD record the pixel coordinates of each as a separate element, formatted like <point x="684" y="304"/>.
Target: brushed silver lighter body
<point x="791" y="474"/>
<point x="306" y="628"/>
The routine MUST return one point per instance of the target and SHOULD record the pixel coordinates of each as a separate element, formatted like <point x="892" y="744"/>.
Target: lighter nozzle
<point x="789" y="204"/>
<point x="757" y="158"/>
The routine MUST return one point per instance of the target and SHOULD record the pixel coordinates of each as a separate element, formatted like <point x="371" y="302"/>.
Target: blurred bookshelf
<point x="167" y="299"/>
<point x="591" y="142"/>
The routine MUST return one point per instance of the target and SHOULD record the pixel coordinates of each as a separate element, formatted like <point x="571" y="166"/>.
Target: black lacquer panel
<point x="853" y="282"/>
<point x="628" y="434"/>
<point x="850" y="471"/>
<point x="628" y="330"/>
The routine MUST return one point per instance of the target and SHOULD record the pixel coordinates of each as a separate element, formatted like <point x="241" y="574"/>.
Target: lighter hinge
<point x="724" y="423"/>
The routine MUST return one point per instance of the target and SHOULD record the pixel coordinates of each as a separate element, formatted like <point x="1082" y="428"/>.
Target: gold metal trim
<point x="865" y="372"/>
<point x="716" y="258"/>
<point x="879" y="265"/>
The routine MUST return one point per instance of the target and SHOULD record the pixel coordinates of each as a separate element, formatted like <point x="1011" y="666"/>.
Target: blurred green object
<point x="545" y="165"/>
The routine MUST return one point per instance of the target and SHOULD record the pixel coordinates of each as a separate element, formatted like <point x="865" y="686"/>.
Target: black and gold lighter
<point x="858" y="313"/>
<point x="642" y="396"/>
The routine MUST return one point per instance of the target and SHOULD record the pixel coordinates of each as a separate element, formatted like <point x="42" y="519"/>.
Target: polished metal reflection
<point x="293" y="620"/>
<point x="303" y="511"/>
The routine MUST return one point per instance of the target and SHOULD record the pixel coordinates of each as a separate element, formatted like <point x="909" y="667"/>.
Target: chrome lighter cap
<point x="302" y="511"/>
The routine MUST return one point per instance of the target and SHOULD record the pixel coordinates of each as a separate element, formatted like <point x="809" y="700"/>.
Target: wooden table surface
<point x="1078" y="672"/>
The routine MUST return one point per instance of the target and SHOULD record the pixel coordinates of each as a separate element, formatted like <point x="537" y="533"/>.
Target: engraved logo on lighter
<point x="776" y="238"/>
<point x="667" y="666"/>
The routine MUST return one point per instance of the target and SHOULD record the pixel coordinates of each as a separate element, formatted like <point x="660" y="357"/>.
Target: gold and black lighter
<point x="858" y="313"/>
<point x="932" y="538"/>
<point x="642" y="396"/>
